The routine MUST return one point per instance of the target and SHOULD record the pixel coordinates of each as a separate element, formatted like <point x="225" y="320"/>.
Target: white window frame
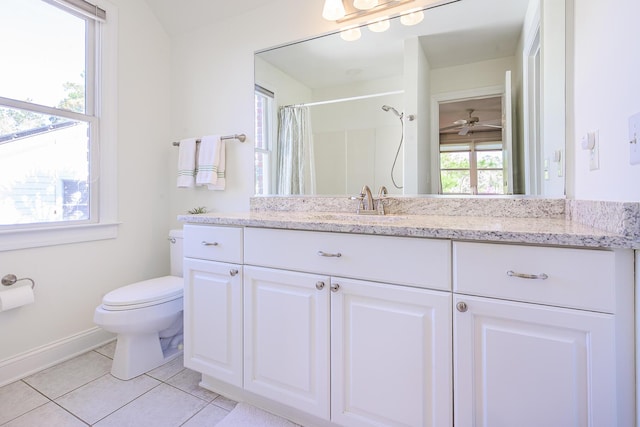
<point x="471" y="149"/>
<point x="268" y="179"/>
<point x="105" y="188"/>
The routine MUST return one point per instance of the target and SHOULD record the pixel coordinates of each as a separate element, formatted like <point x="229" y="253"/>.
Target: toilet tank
<point x="175" y="252"/>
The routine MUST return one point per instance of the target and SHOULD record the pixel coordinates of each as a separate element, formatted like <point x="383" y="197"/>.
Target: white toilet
<point x="147" y="316"/>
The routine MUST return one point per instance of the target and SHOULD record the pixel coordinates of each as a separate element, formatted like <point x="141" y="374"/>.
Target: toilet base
<point x="138" y="354"/>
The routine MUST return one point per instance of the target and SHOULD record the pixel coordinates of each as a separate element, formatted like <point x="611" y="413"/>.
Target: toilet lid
<point x="145" y="293"/>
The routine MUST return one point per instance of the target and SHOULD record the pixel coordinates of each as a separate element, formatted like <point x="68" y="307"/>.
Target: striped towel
<point x="208" y="160"/>
<point x="187" y="163"/>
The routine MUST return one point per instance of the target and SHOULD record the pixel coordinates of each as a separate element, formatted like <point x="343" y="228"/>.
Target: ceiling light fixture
<point x="365" y="4"/>
<point x="380" y="25"/>
<point x="344" y="10"/>
<point x="412" y="18"/>
<point x="350" y="34"/>
<point x="333" y="10"/>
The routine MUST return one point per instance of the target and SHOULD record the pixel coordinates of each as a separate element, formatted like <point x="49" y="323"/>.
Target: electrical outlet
<point x="594" y="153"/>
<point x="634" y="139"/>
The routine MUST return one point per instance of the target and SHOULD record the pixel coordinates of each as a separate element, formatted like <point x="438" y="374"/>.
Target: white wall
<point x="606" y="93"/>
<point x="71" y="279"/>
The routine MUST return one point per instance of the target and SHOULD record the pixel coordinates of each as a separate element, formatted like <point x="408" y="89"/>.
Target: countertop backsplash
<point x="621" y="218"/>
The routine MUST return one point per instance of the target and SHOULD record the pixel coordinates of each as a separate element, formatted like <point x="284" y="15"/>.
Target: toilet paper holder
<point x="11" y="279"/>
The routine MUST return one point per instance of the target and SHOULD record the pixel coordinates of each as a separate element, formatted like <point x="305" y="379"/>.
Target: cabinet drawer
<point x="213" y="243"/>
<point x="403" y="260"/>
<point x="577" y="278"/>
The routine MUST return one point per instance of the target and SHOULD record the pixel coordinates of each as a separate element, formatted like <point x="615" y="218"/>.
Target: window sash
<point x="89" y="116"/>
<point x="82" y="7"/>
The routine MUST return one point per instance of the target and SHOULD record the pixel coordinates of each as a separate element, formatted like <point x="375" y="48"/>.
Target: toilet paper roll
<point x="15" y="297"/>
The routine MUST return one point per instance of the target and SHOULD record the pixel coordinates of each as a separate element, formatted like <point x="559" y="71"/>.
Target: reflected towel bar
<point x="240" y="137"/>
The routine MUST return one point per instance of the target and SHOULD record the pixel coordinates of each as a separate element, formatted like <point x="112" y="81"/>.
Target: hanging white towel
<point x="187" y="163"/>
<point x="222" y="166"/>
<point x="208" y="160"/>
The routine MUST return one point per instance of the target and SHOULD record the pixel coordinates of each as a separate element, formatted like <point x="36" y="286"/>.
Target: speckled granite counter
<point x="549" y="230"/>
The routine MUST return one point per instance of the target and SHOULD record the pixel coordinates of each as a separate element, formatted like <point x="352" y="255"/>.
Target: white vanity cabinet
<point x="390" y="355"/>
<point x="338" y="329"/>
<point x="357" y="352"/>
<point x="213" y="301"/>
<point x="286" y="350"/>
<point x="542" y="336"/>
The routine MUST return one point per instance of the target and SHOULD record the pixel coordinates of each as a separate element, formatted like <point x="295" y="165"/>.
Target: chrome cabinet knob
<point x="462" y="306"/>
<point x="335" y="287"/>
<point x="319" y="286"/>
<point x="233" y="272"/>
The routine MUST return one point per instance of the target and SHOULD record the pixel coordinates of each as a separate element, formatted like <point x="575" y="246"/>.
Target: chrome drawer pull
<point x="540" y="276"/>
<point x="327" y="254"/>
<point x="204" y="243"/>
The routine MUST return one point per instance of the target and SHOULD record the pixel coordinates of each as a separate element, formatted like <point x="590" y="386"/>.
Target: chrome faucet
<point x="366" y="193"/>
<point x="367" y="204"/>
<point x="379" y="201"/>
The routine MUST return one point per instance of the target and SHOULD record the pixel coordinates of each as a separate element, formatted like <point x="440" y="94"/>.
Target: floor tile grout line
<point x="206" y="401"/>
<point x="70" y="413"/>
<point x="128" y="403"/>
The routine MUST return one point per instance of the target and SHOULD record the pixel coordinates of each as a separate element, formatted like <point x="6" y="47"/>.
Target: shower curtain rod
<point x="353" y="98"/>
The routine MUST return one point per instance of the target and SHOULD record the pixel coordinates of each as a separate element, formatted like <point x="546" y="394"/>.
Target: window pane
<point x="262" y="173"/>
<point x="43" y="54"/>
<point x="490" y="182"/>
<point x="454" y="160"/>
<point x="261" y="123"/>
<point x="44" y="168"/>
<point x="455" y="182"/>
<point x="489" y="159"/>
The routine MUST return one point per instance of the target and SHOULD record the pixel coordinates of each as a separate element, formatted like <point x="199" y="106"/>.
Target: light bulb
<point x="365" y="4"/>
<point x="333" y="10"/>
<point x="412" y="18"/>
<point x="379" y="25"/>
<point x="350" y="34"/>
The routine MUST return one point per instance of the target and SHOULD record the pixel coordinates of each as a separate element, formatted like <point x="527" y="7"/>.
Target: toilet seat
<point x="144" y="294"/>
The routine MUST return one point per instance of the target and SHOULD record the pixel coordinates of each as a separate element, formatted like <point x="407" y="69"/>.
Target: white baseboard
<point x="30" y="362"/>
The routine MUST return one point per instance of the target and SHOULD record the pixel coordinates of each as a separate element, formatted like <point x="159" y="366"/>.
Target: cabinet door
<point x="287" y="338"/>
<point x="213" y="319"/>
<point x="519" y="364"/>
<point x="391" y="355"/>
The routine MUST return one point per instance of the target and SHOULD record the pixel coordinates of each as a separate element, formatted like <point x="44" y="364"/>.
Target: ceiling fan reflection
<point x="470" y="123"/>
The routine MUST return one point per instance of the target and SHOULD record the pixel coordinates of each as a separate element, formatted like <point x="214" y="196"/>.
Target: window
<point x="264" y="137"/>
<point x="472" y="168"/>
<point x="56" y="153"/>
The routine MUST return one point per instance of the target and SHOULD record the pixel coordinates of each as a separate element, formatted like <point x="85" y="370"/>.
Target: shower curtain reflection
<point x="295" y="164"/>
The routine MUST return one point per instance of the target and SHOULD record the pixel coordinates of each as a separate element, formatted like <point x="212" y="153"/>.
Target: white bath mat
<point x="245" y="415"/>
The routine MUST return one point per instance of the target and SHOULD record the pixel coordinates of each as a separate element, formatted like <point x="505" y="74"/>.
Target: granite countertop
<point x="539" y="230"/>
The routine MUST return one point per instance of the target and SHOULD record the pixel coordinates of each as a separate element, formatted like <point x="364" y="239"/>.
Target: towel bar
<point x="240" y="137"/>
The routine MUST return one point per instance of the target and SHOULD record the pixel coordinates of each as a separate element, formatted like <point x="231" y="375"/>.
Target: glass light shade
<point x="412" y="18"/>
<point x="365" y="4"/>
<point x="350" y="34"/>
<point x="333" y="10"/>
<point x="380" y="25"/>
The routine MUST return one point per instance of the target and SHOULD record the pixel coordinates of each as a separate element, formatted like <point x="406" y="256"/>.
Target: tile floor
<point x="82" y="392"/>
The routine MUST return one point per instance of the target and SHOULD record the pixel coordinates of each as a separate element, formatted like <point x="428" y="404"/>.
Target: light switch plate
<point x="634" y="139"/>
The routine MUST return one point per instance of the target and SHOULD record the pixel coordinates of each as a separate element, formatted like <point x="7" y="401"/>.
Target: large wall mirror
<point x="469" y="101"/>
